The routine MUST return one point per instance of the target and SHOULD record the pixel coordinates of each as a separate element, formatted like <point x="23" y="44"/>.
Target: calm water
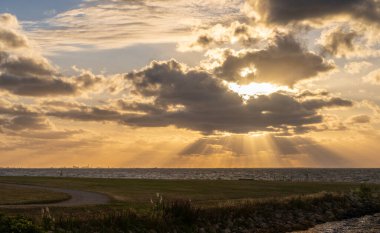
<point x="340" y="175"/>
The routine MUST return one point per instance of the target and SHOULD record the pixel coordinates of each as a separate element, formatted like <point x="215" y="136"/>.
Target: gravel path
<point x="366" y="224"/>
<point x="78" y="198"/>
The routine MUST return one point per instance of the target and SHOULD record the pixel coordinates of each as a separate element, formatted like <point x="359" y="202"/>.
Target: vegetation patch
<point x="11" y="195"/>
<point x="269" y="215"/>
<point x="137" y="193"/>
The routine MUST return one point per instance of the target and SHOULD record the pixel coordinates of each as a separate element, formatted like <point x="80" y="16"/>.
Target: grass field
<point x="14" y="195"/>
<point x="137" y="193"/>
<point x="215" y="206"/>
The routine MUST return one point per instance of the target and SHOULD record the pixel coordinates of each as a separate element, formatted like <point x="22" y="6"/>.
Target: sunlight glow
<point x="247" y="71"/>
<point x="255" y="88"/>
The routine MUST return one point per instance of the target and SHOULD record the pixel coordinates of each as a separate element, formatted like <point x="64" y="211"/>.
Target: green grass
<point x="137" y="193"/>
<point x="14" y="195"/>
<point x="216" y="205"/>
<point x="278" y="215"/>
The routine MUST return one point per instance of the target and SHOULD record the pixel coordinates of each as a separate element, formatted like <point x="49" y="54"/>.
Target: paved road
<point x="78" y="198"/>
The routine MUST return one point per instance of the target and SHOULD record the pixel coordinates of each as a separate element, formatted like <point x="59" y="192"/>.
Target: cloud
<point x="27" y="122"/>
<point x="7" y="108"/>
<point x="340" y="42"/>
<point x="26" y="72"/>
<point x="8" y="20"/>
<point x="11" y="39"/>
<point x="373" y="77"/>
<point x="11" y="36"/>
<point x="314" y="104"/>
<point x="169" y="93"/>
<point x="88" y="114"/>
<point x="33" y="86"/>
<point x="25" y="65"/>
<point x="283" y="62"/>
<point x="357" y="67"/>
<point x="19" y="117"/>
<point x="31" y="76"/>
<point x="360" y="119"/>
<point x="274" y="54"/>
<point x="50" y="134"/>
<point x="308" y="93"/>
<point x="290" y="11"/>
<point x="117" y="24"/>
<point x="219" y="35"/>
<point x="193" y="99"/>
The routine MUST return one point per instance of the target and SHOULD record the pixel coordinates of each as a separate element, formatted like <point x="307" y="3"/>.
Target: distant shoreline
<point x="351" y="175"/>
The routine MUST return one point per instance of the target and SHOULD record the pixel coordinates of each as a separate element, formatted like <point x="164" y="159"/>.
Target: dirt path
<point x="78" y="198"/>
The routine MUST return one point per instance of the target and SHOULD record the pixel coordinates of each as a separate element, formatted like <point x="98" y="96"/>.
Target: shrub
<point x="17" y="225"/>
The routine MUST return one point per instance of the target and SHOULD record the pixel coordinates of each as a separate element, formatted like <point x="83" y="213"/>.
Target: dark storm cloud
<point x="193" y="99"/>
<point x="287" y="11"/>
<point x="284" y="62"/>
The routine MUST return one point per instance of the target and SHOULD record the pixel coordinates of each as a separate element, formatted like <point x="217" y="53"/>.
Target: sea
<point x="265" y="174"/>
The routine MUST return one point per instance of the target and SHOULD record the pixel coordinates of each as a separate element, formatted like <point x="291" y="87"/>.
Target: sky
<point x="189" y="83"/>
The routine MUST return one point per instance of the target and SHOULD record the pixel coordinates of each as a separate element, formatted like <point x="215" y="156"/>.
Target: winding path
<point x="78" y="198"/>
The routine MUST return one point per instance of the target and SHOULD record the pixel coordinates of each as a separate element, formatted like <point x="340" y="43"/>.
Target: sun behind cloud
<point x="187" y="83"/>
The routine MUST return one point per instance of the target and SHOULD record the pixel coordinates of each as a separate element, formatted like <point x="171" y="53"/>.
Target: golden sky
<point x="219" y="83"/>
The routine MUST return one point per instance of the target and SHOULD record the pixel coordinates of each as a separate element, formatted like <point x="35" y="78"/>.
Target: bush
<point x="17" y="225"/>
<point x="365" y="191"/>
<point x="180" y="212"/>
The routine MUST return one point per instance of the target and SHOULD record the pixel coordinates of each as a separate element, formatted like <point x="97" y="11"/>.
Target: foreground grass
<point x="194" y="206"/>
<point x="264" y="216"/>
<point x="14" y="195"/>
<point x="137" y="193"/>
